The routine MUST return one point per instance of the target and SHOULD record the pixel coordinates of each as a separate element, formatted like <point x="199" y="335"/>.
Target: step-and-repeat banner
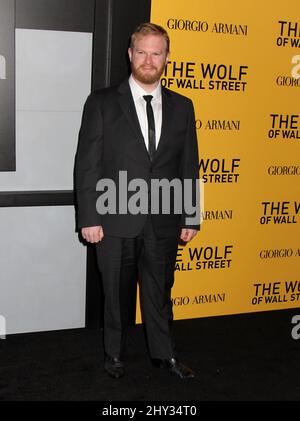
<point x="240" y="64"/>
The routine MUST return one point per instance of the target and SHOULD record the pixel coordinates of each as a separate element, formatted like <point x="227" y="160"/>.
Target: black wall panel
<point x="59" y="15"/>
<point x="111" y="38"/>
<point x="126" y="16"/>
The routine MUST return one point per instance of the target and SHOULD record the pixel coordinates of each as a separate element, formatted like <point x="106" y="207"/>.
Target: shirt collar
<point x="138" y="92"/>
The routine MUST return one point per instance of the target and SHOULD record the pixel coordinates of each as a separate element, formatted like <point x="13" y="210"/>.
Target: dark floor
<point x="250" y="357"/>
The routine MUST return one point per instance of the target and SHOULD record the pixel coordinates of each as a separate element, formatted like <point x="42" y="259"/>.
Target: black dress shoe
<point x="114" y="367"/>
<point x="178" y="369"/>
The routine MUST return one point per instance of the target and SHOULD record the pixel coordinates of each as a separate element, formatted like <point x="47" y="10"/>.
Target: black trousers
<point x="151" y="260"/>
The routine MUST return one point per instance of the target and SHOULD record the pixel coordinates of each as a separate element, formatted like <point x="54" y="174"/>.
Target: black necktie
<point x="151" y="126"/>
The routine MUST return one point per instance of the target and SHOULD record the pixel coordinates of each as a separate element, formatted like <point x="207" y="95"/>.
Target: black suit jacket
<point x="110" y="140"/>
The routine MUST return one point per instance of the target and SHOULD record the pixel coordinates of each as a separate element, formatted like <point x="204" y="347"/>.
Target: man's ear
<point x="130" y="54"/>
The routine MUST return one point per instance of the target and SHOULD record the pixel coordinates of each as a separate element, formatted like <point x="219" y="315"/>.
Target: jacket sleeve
<point x="190" y="175"/>
<point x="88" y="163"/>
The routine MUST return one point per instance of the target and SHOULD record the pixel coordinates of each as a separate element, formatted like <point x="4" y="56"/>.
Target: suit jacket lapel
<point x="167" y="115"/>
<point x="128" y="107"/>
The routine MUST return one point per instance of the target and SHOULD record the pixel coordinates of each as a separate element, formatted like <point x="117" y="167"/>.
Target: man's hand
<point x="187" y="234"/>
<point x="92" y="234"/>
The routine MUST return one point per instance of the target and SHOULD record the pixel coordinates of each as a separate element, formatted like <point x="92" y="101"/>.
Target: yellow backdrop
<point x="239" y="62"/>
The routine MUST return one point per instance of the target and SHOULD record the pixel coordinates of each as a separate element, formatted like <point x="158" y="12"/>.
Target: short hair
<point x="148" y="28"/>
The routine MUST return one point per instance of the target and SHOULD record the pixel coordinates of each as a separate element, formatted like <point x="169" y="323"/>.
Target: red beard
<point x="148" y="76"/>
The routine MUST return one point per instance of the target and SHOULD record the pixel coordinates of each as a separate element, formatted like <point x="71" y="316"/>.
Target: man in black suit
<point x="144" y="132"/>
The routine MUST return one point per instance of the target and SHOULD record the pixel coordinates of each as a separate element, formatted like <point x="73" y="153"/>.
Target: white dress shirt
<point x="140" y="105"/>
